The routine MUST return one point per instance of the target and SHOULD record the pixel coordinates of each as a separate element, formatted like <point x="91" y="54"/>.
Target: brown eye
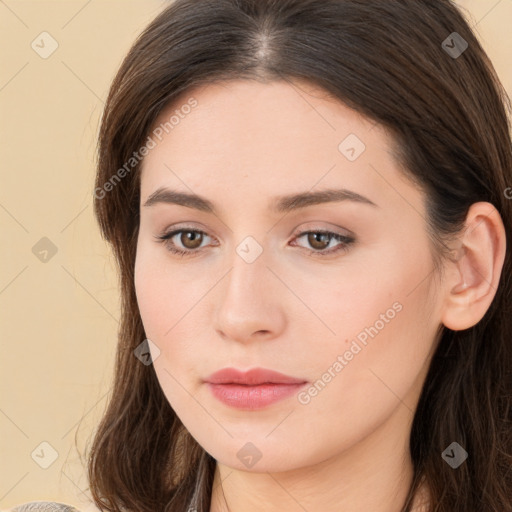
<point x="319" y="240"/>
<point x="183" y="242"/>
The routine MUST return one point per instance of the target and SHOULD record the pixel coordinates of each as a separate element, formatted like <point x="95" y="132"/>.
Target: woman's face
<point x="353" y="318"/>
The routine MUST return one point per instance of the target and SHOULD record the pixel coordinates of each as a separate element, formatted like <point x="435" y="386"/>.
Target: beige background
<point x="59" y="317"/>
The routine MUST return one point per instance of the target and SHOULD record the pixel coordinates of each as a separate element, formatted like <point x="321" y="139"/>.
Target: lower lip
<point x="253" y="397"/>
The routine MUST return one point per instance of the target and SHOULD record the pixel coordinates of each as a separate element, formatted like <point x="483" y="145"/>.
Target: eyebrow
<point x="280" y="204"/>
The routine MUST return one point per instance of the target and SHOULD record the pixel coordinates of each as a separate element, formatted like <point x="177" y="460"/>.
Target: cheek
<point x="163" y="303"/>
<point x="171" y="303"/>
<point x="161" y="294"/>
<point x="385" y="327"/>
<point x="378" y="297"/>
<point x="151" y="298"/>
<point x="374" y="364"/>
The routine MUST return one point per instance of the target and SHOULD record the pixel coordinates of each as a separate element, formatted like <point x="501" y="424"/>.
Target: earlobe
<point x="476" y="270"/>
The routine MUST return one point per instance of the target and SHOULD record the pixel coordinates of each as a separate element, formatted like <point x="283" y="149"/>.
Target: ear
<point x="474" y="274"/>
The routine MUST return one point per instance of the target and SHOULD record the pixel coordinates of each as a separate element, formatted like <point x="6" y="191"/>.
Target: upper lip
<point x="252" y="377"/>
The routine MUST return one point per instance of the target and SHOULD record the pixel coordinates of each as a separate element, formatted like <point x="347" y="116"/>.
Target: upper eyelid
<point x="344" y="231"/>
<point x="177" y="229"/>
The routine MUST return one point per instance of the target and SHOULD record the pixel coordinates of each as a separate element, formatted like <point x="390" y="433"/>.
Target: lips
<point x="255" y="389"/>
<point x="253" y="377"/>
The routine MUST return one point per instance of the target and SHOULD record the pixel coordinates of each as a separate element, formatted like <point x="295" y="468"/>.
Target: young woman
<point x="310" y="203"/>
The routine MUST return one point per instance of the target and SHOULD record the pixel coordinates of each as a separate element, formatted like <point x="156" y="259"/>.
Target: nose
<point x="250" y="302"/>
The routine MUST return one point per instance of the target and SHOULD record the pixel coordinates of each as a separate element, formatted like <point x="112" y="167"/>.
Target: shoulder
<point x="46" y="506"/>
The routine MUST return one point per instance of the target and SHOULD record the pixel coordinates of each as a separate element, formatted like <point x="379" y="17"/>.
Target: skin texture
<point x="295" y="312"/>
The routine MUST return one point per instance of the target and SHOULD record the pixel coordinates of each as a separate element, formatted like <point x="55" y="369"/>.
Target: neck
<point x="374" y="474"/>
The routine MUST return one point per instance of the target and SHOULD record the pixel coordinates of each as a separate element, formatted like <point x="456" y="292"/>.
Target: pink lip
<point x="253" y="389"/>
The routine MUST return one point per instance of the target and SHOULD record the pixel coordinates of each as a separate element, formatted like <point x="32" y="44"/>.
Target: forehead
<point x="244" y="138"/>
<point x="284" y="112"/>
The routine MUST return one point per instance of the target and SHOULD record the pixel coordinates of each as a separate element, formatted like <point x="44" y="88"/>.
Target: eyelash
<point x="346" y="241"/>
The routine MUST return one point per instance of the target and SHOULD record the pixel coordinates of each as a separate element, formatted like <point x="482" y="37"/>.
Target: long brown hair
<point x="398" y="63"/>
